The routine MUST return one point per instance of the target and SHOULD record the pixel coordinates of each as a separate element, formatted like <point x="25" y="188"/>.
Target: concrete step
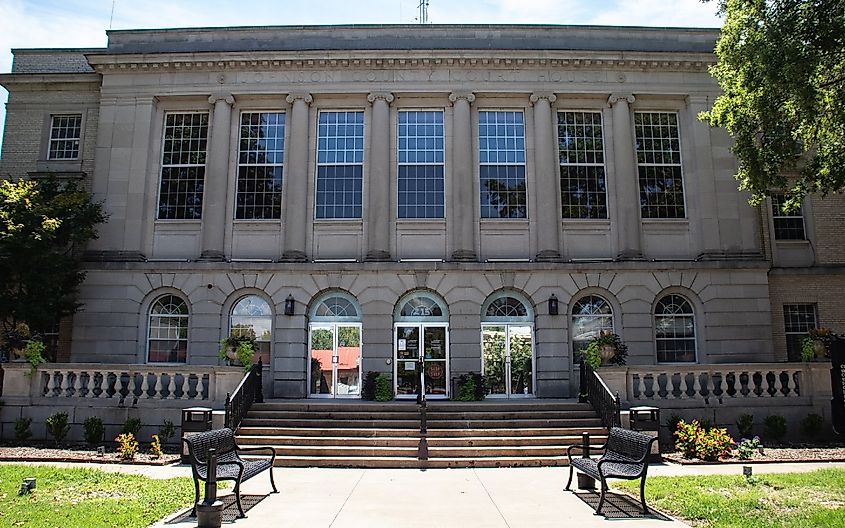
<point x="249" y="421"/>
<point x="517" y="441"/>
<point x="413" y="441"/>
<point x="250" y="430"/>
<point x="491" y="405"/>
<point x="514" y="424"/>
<point x="409" y="462"/>
<point x="334" y="406"/>
<point x="272" y="414"/>
<point x="509" y="415"/>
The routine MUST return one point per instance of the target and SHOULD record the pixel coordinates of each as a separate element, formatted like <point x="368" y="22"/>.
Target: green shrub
<point x="746" y="448"/>
<point x="591" y="355"/>
<point x="672" y="422"/>
<point x="775" y="427"/>
<point x="368" y="388"/>
<point x="155" y="447"/>
<point x="693" y="441"/>
<point x="812" y="426"/>
<point x="57" y="426"/>
<point x="167" y="430"/>
<point x="132" y="426"/>
<point x="470" y="387"/>
<point x="745" y="425"/>
<point x="127" y="446"/>
<point x="94" y="430"/>
<point x="22" y="430"/>
<point x="384" y="388"/>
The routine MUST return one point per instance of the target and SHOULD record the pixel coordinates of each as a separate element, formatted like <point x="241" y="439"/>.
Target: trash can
<point x="194" y="420"/>
<point x="646" y="420"/>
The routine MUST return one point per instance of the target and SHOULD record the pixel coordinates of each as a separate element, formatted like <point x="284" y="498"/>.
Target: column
<point x="379" y="213"/>
<point x="628" y="222"/>
<point x="216" y="179"/>
<point x="296" y="179"/>
<point x="463" y="223"/>
<point x="547" y="176"/>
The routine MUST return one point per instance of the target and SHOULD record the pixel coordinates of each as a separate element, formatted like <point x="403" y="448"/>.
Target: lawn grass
<point x="789" y="500"/>
<point x="90" y="498"/>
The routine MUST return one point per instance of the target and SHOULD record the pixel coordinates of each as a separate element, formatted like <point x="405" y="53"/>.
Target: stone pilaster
<point x="628" y="222"/>
<point x="547" y="176"/>
<point x="216" y="179"/>
<point x="463" y="221"/>
<point x="379" y="214"/>
<point x="296" y="179"/>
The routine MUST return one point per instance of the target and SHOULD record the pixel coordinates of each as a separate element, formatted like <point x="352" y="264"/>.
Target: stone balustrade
<point x="124" y="385"/>
<point x="725" y="384"/>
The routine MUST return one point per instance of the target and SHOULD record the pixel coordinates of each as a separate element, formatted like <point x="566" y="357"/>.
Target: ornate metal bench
<point x="230" y="466"/>
<point x="624" y="457"/>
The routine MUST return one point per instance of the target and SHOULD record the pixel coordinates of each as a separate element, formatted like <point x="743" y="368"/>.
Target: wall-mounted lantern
<point x="553" y="305"/>
<point x="289" y="305"/>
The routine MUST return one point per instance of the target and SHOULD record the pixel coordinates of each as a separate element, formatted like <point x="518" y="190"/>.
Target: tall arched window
<point x="674" y="328"/>
<point x="507" y="345"/>
<point x="253" y="314"/>
<point x="167" y="337"/>
<point x="335" y="344"/>
<point x="591" y="315"/>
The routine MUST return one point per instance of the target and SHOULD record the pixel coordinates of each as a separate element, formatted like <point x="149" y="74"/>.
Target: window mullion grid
<point x="660" y="196"/>
<point x="339" y="193"/>
<point x="259" y="192"/>
<point x="582" y="183"/>
<point x="181" y="185"/>
<point x="505" y="195"/>
<point x="413" y="189"/>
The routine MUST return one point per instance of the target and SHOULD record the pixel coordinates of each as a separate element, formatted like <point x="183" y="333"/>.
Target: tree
<point x="781" y="67"/>
<point x="44" y="225"/>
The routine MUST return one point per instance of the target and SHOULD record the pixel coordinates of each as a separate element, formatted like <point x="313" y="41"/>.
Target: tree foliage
<point x="781" y="67"/>
<point x="44" y="225"/>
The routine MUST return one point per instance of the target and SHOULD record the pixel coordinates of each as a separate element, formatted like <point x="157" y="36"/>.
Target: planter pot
<point x="18" y="355"/>
<point x="607" y="353"/>
<point x="231" y="355"/>
<point x="819" y="348"/>
<point x="586" y="482"/>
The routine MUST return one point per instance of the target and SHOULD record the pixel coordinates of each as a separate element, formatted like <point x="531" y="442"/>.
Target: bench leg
<point x="642" y="495"/>
<point x="569" y="482"/>
<point x="601" y="498"/>
<point x="238" y="498"/>
<point x="273" y="482"/>
<point x="196" y="497"/>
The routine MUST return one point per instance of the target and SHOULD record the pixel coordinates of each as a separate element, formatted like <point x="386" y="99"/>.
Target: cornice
<point x="266" y="61"/>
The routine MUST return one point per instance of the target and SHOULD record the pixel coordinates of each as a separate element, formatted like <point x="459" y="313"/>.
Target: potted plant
<point x="15" y="341"/>
<point x="239" y="347"/>
<point x="610" y="348"/>
<point x="816" y="344"/>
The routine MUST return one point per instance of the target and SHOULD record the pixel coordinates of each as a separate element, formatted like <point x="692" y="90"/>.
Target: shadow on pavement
<point x="619" y="506"/>
<point x="230" y="509"/>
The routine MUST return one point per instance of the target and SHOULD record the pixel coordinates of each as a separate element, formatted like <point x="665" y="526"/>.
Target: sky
<point x="83" y="23"/>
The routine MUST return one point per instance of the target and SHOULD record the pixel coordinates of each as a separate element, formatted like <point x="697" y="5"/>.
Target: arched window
<point x="674" y="328"/>
<point x="252" y="313"/>
<point x="591" y="315"/>
<point x="507" y="345"/>
<point x="335" y="346"/>
<point x="167" y="337"/>
<point x="421" y="306"/>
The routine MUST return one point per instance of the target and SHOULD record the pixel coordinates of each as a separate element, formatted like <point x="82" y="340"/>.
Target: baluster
<point x="698" y="389"/>
<point x="91" y="385"/>
<point x="184" y="387"/>
<point x="157" y="393"/>
<point x="47" y="391"/>
<point x="797" y="379"/>
<point x="63" y="385"/>
<point x="171" y="387"/>
<point x="670" y="385"/>
<point x="788" y="390"/>
<point x="200" y="387"/>
<point x="55" y="391"/>
<point x="77" y="383"/>
<point x="145" y="386"/>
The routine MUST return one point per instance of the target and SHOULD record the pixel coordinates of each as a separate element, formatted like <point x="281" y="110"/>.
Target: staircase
<point x="387" y="435"/>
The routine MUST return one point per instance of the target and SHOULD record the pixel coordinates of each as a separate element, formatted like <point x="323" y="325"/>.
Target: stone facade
<point x="717" y="254"/>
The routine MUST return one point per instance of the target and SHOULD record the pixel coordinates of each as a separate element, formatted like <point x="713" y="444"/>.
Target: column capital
<point x="468" y="96"/>
<point x="305" y="96"/>
<point x="229" y="99"/>
<point x="615" y="98"/>
<point x="387" y="97"/>
<point x="536" y="96"/>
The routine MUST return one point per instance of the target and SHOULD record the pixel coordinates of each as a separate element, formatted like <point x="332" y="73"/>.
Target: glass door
<point x="508" y="360"/>
<point x="335" y="361"/>
<point x="429" y="342"/>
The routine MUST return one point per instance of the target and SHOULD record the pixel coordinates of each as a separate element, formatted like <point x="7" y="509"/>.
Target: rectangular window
<point x="798" y="320"/>
<point x="340" y="164"/>
<point x="65" y="133"/>
<point x="788" y="226"/>
<point x="659" y="165"/>
<point x="501" y="139"/>
<point x="421" y="164"/>
<point x="260" y="161"/>
<point x="583" y="193"/>
<point x="183" y="166"/>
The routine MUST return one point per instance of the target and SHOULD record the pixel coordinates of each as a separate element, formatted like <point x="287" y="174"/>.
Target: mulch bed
<point x="773" y="454"/>
<point x="79" y="454"/>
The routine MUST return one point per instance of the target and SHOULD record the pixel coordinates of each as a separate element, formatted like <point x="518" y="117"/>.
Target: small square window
<point x="65" y="133"/>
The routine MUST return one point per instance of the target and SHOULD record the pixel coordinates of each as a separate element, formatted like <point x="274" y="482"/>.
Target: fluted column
<point x="625" y="179"/>
<point x="296" y="179"/>
<point x="379" y="214"/>
<point x="463" y="222"/>
<point x="216" y="179"/>
<point x="547" y="176"/>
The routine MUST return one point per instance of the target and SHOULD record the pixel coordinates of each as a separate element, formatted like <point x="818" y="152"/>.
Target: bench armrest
<point x="269" y="449"/>
<point x="581" y="447"/>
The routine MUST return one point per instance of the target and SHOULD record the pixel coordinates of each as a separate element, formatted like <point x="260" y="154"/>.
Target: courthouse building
<point x="486" y="197"/>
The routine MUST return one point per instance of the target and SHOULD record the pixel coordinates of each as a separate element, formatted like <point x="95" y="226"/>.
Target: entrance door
<point x="429" y="342"/>
<point x="335" y="366"/>
<point x="508" y="360"/>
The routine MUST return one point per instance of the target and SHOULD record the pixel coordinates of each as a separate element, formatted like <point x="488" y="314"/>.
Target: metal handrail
<point x="603" y="401"/>
<point x="248" y="391"/>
